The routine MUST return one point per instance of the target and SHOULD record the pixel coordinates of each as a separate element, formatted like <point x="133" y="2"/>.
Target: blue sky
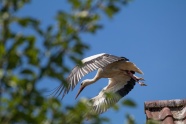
<point x="151" y="33"/>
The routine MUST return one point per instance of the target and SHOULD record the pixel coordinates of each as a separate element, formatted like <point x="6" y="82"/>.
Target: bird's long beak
<point x="81" y="89"/>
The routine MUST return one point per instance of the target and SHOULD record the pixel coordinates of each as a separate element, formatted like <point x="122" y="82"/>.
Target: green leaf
<point x="24" y="22"/>
<point x="2" y="50"/>
<point x="129" y="103"/>
<point x="115" y="107"/>
<point x="110" y="10"/>
<point x="32" y="55"/>
<point x="13" y="59"/>
<point x="75" y="3"/>
<point x="26" y="71"/>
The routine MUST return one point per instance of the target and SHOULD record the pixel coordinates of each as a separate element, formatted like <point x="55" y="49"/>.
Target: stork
<point x="119" y="71"/>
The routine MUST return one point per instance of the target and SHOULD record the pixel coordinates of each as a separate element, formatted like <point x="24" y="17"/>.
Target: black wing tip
<point x="124" y="58"/>
<point x="126" y="88"/>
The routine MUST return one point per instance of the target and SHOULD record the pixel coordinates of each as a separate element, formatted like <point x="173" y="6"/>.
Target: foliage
<point x="25" y="59"/>
<point x="129" y="102"/>
<point x="130" y="119"/>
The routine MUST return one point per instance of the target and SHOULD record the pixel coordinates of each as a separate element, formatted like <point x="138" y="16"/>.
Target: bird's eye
<point x="81" y="83"/>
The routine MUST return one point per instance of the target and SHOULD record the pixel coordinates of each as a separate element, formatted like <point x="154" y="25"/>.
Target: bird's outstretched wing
<point x="89" y="64"/>
<point x="112" y="93"/>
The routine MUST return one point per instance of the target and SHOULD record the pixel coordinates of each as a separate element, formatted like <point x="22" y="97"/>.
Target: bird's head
<point x="83" y="85"/>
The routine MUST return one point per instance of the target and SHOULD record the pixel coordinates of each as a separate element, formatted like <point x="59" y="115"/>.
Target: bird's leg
<point x="137" y="79"/>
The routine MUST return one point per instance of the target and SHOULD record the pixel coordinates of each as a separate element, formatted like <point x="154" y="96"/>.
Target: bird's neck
<point x="91" y="81"/>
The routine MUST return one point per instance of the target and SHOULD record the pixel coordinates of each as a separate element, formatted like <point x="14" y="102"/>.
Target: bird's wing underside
<point x="89" y="64"/>
<point x="111" y="94"/>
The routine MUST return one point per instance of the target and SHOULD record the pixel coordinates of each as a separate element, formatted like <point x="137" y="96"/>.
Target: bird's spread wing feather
<point x="117" y="90"/>
<point x="89" y="64"/>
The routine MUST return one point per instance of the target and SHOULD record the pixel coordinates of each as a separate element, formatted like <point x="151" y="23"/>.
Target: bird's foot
<point x="142" y="83"/>
<point x="137" y="79"/>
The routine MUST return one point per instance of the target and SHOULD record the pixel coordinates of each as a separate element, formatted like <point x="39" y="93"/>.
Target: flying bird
<point x="119" y="71"/>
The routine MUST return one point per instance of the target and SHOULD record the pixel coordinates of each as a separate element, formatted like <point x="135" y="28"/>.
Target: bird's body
<point x="119" y="71"/>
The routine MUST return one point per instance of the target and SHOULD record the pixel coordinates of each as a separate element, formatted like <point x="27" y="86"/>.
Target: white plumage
<point x="92" y="57"/>
<point x="120" y="72"/>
